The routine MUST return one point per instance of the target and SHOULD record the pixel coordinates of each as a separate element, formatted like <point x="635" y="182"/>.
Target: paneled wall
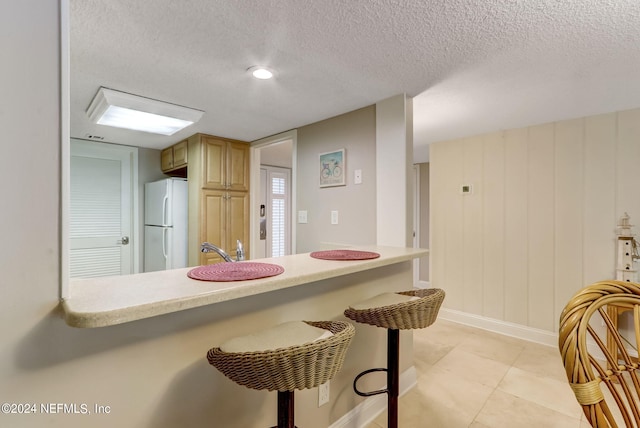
<point x="540" y="221"/>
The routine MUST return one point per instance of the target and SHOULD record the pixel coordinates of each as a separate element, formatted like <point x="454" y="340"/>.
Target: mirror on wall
<point x="116" y="243"/>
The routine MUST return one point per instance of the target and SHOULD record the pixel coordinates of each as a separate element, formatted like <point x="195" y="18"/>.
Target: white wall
<point x="152" y="373"/>
<point x="378" y="141"/>
<point x="541" y="220"/>
<point x="355" y="203"/>
<point x="29" y="254"/>
<point x="394" y="178"/>
<point x="425" y="212"/>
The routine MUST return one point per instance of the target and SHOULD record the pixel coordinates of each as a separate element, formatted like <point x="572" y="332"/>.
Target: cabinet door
<point x="214" y="163"/>
<point x="166" y="159"/>
<point x="180" y="154"/>
<point x="212" y="223"/>
<point x="237" y="166"/>
<point x="237" y="222"/>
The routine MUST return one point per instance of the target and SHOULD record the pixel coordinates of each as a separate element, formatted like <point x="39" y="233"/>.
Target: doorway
<point x="273" y="196"/>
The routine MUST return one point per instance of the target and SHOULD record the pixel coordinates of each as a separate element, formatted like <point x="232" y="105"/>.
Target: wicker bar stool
<point x="395" y="311"/>
<point x="289" y="356"/>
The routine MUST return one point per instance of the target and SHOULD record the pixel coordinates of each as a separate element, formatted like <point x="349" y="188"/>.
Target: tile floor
<point x="468" y="377"/>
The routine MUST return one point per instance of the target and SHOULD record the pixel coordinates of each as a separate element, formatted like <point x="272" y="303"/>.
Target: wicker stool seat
<point x="403" y="310"/>
<point x="290" y="356"/>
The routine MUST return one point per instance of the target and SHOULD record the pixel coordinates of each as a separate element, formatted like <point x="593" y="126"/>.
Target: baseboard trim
<point x="515" y="330"/>
<point x="503" y="327"/>
<point x="365" y="412"/>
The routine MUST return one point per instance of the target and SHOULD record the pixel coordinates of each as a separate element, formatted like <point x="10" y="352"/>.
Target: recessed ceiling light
<point x="260" y="72"/>
<point x="123" y="110"/>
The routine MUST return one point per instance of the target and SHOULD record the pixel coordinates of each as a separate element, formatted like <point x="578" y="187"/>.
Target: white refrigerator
<point x="165" y="224"/>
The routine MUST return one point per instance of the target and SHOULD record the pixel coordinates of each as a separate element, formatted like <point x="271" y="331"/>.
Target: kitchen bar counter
<point x="99" y="302"/>
<point x="184" y="389"/>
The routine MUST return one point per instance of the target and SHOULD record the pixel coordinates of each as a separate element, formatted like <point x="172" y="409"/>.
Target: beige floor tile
<point x="542" y="360"/>
<point x="504" y="410"/>
<point x="434" y="342"/>
<point x="472" y="378"/>
<point x="541" y="390"/>
<point x="417" y="409"/>
<point x="443" y="392"/>
<point x="584" y="423"/>
<point x="444" y="333"/>
<point x="493" y="346"/>
<point x="473" y="368"/>
<point x="478" y="425"/>
<point x="429" y="351"/>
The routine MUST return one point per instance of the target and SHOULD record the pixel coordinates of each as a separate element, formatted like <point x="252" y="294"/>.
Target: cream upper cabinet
<point x="238" y="166"/>
<point x="214" y="156"/>
<point x="174" y="157"/>
<point x="180" y="154"/>
<point x="166" y="159"/>
<point x="226" y="164"/>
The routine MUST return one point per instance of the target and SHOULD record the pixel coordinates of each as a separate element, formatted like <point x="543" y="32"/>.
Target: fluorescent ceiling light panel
<point x="123" y="110"/>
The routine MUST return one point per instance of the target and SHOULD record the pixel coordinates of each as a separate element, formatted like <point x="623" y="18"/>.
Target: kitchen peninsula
<point x="104" y="301"/>
<point x="190" y="316"/>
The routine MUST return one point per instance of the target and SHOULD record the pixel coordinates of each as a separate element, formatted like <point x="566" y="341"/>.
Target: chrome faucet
<point x="205" y="247"/>
<point x="239" y="251"/>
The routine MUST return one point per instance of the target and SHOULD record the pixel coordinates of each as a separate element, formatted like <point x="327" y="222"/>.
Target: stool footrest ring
<point x="368" y="394"/>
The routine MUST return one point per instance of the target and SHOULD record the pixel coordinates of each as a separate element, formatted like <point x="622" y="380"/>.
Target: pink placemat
<point x="344" y="255"/>
<point x="241" y="271"/>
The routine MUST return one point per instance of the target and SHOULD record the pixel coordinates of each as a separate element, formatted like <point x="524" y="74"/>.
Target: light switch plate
<point x="302" y="216"/>
<point x="334" y="217"/>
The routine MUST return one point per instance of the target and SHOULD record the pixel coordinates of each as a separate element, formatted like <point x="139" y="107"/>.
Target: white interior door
<point x="101" y="209"/>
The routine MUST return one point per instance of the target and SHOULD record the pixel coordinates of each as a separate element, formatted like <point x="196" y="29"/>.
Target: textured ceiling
<point x="473" y="66"/>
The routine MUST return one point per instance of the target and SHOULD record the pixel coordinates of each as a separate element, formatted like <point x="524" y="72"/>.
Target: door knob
<point x="124" y="240"/>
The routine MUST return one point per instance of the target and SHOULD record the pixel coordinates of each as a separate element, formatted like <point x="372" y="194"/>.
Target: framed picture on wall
<point x="333" y="168"/>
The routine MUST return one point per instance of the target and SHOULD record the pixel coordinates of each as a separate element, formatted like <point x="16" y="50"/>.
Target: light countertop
<point x="99" y="302"/>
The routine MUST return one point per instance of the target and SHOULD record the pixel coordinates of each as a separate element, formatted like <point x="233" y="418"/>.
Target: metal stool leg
<point x="285" y="409"/>
<point x="393" y="378"/>
<point x="393" y="372"/>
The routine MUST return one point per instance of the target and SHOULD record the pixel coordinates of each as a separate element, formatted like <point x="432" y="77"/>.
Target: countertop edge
<point x="78" y="311"/>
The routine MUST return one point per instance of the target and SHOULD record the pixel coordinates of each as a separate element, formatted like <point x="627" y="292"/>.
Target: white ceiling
<point x="472" y="66"/>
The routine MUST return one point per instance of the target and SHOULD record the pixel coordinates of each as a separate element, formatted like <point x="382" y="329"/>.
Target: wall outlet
<point x="357" y="176"/>
<point x="323" y="394"/>
<point x="334" y="217"/>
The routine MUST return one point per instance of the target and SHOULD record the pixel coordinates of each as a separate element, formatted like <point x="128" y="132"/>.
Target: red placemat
<point x="344" y="255"/>
<point x="241" y="271"/>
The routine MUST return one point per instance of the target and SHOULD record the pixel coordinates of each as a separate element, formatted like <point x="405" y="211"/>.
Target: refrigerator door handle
<point x="165" y="210"/>
<point x="164" y="242"/>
